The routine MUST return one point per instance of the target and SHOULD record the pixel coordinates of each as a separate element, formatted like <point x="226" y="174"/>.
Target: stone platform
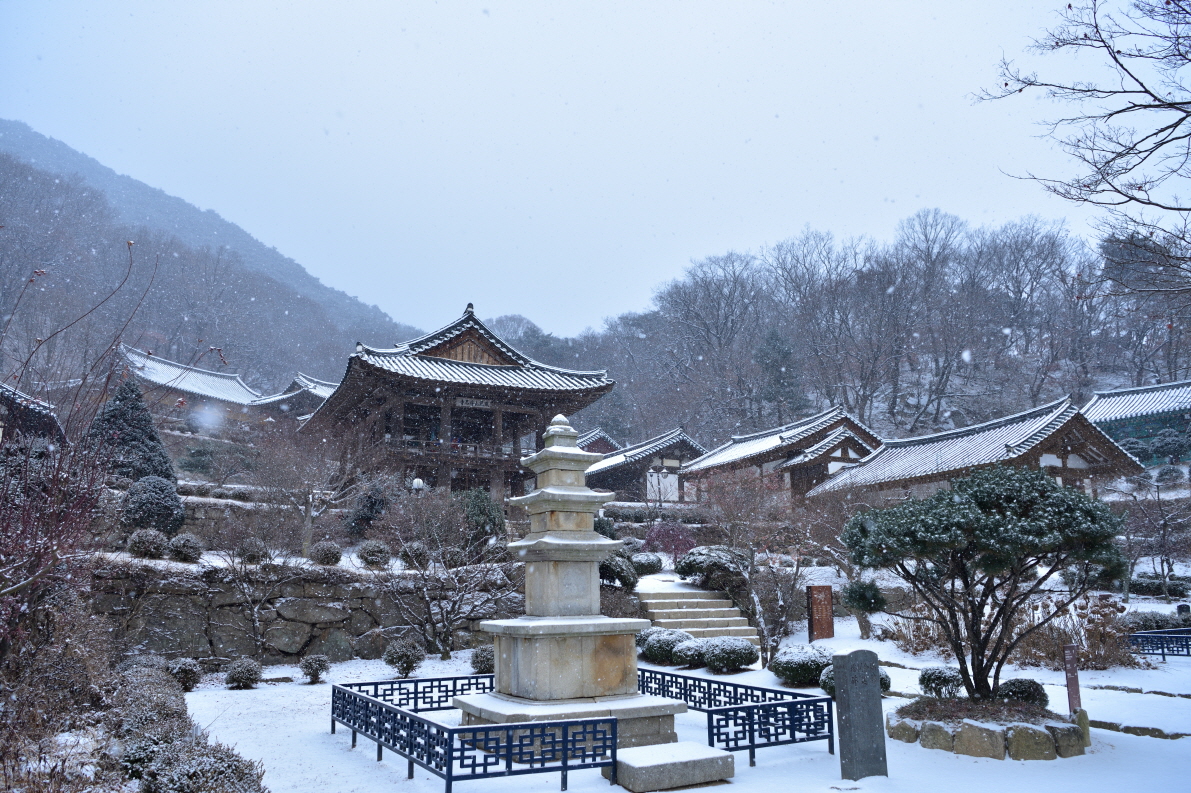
<point x="642" y="720"/>
<point x="677" y="765"/>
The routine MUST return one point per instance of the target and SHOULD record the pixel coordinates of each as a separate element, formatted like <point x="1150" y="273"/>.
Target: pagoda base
<point x="641" y="719"/>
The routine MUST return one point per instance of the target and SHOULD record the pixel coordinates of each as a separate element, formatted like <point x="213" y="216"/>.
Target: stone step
<point x="725" y="622"/>
<point x="690" y="614"/>
<point x="708" y="633"/>
<point x="662" y="767"/>
<point x="678" y="595"/>
<point x="709" y="603"/>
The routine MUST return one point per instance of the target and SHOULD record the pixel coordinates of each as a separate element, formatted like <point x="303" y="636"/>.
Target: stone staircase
<point x="701" y="614"/>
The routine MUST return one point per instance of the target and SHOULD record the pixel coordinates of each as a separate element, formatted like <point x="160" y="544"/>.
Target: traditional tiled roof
<point x="225" y="387"/>
<point x="10" y="394"/>
<point x="597" y="434"/>
<point x="645" y="449"/>
<point x="407" y="360"/>
<point x="317" y="387"/>
<point x="821" y="448"/>
<point x="999" y="440"/>
<point x="742" y="447"/>
<point x="1127" y="403"/>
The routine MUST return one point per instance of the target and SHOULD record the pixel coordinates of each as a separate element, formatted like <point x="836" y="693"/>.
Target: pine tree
<point x="125" y="429"/>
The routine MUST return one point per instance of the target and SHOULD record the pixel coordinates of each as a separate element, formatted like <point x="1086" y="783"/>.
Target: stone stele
<point x="563" y="659"/>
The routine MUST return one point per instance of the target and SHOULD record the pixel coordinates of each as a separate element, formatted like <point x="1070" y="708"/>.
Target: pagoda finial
<point x="470" y="309"/>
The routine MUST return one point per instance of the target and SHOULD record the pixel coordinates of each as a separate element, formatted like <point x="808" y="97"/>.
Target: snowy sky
<point x="423" y="155"/>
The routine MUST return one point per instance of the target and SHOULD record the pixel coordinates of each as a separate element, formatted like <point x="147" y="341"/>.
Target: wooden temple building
<point x="598" y="441"/>
<point x="647" y="471"/>
<point x="190" y="399"/>
<point x="1057" y="438"/>
<point x="1142" y="412"/>
<point x="21" y="414"/>
<point x="802" y="453"/>
<point x="455" y="408"/>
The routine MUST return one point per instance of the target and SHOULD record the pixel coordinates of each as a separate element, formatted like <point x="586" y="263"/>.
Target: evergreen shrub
<point x="618" y="569"/>
<point x="413" y="554"/>
<point x="799" y="665"/>
<point x="483" y="660"/>
<point x="941" y="682"/>
<point x="659" y="647"/>
<point x="729" y="653"/>
<point x="690" y="653"/>
<point x="647" y="563"/>
<point x="152" y="502"/>
<point x="374" y="554"/>
<point x="186" y="547"/>
<point x="187" y="672"/>
<point x="1022" y="689"/>
<point x="252" y="551"/>
<point x="632" y="545"/>
<point x="314" y="667"/>
<point x="242" y="673"/>
<point x="644" y="635"/>
<point x="124" y="430"/>
<point x="606" y="527"/>
<point x="405" y="656"/>
<point x="325" y="553"/>
<point x="827" y="680"/>
<point x="147" y="544"/>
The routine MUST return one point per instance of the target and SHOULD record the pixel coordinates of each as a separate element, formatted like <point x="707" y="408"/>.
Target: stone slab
<point x="980" y="740"/>
<point x="1029" y="742"/>
<point x="679" y="764"/>
<point x="936" y="735"/>
<point x="564" y="626"/>
<point x="861" y="737"/>
<point x="902" y="729"/>
<point x="1068" y="739"/>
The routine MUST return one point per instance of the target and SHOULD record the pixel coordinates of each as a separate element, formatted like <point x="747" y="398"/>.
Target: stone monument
<point x="858" y="709"/>
<point x="563" y="659"/>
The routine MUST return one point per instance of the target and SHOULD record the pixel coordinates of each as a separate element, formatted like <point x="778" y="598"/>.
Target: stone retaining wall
<point x="978" y="739"/>
<point x="214" y="615"/>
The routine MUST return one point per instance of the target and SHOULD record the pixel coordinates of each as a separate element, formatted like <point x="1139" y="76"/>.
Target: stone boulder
<point x="335" y="643"/>
<point x="936" y="735"/>
<point x="310" y="611"/>
<point x="1068" y="739"/>
<point x="980" y="740"/>
<point x="1029" y="742"/>
<point x="287" y="637"/>
<point x="902" y="729"/>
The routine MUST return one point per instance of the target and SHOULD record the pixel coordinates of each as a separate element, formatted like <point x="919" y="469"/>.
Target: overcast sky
<point x="557" y="160"/>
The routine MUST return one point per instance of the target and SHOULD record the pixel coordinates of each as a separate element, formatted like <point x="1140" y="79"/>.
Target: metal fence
<point x="741" y="717"/>
<point x="473" y="752"/>
<point x="1172" y="641"/>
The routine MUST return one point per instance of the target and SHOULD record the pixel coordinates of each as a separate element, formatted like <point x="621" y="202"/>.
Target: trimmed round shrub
<point x="1169" y="475"/>
<point x="715" y="567"/>
<point x="186" y="766"/>
<point x="325" y="553"/>
<point x="187" y="672"/>
<point x="1137" y="447"/>
<point x="729" y="653"/>
<point x="314" y="667"/>
<point x="242" y="673"/>
<point x="148" y="544"/>
<point x="799" y="665"/>
<point x="647" y="563"/>
<point x="659" y="648"/>
<point x="863" y="596"/>
<point x="618" y="569"/>
<point x="404" y="655"/>
<point x="827" y="680"/>
<point x="644" y="635"/>
<point x="453" y="557"/>
<point x="412" y="554"/>
<point x="606" y="527"/>
<point x="186" y="548"/>
<point x="1022" y="689"/>
<point x="941" y="682"/>
<point x="690" y="654"/>
<point x="631" y="545"/>
<point x="374" y="554"/>
<point x="143" y="662"/>
<point x="152" y="503"/>
<point x="252" y="551"/>
<point x="483" y="660"/>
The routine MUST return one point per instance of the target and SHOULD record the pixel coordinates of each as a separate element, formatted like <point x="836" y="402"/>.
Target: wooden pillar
<point x="498" y="428"/>
<point x="444" y="422"/>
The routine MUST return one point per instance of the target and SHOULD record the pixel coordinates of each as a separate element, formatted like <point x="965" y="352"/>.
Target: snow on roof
<point x="406" y="359"/>
<point x="1127" y="403"/>
<point x="317" y="387"/>
<point x="647" y="448"/>
<point x="226" y="387"/>
<point x="24" y="400"/>
<point x="596" y="434"/>
<point x="822" y="447"/>
<point x="742" y="447"/>
<point x="993" y="441"/>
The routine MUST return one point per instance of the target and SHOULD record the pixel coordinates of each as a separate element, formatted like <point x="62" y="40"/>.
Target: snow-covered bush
<point x="659" y="648"/>
<point x="242" y="673"/>
<point x="124" y="430"/>
<point x="187" y="672"/>
<point x="715" y="567"/>
<point x="314" y="667"/>
<point x="483" y="660"/>
<point x="827" y="680"/>
<point x="670" y="537"/>
<point x="325" y="553"/>
<point x="374" y="554"/>
<point x="799" y="665"/>
<point x="148" y="544"/>
<point x="252" y="551"/>
<point x="618" y="569"/>
<point x="453" y="557"/>
<point x="414" y="554"/>
<point x="690" y="653"/>
<point x="1137" y="447"/>
<point x="405" y="656"/>
<point x="186" y="547"/>
<point x="1022" y="689"/>
<point x="196" y="767"/>
<point x="632" y="545"/>
<point x="729" y="653"/>
<point x="644" y="635"/>
<point x="605" y="527"/>
<point x="941" y="682"/>
<point x="143" y="661"/>
<point x="152" y="503"/>
<point x="647" y="563"/>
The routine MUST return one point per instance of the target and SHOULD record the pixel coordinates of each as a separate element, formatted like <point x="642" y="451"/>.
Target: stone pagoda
<point x="563" y="659"/>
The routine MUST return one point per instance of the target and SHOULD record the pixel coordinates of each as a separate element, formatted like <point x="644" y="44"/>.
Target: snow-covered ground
<point x="287" y="727"/>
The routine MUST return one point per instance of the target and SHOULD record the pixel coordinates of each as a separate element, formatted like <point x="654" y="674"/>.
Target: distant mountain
<point x="137" y="204"/>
